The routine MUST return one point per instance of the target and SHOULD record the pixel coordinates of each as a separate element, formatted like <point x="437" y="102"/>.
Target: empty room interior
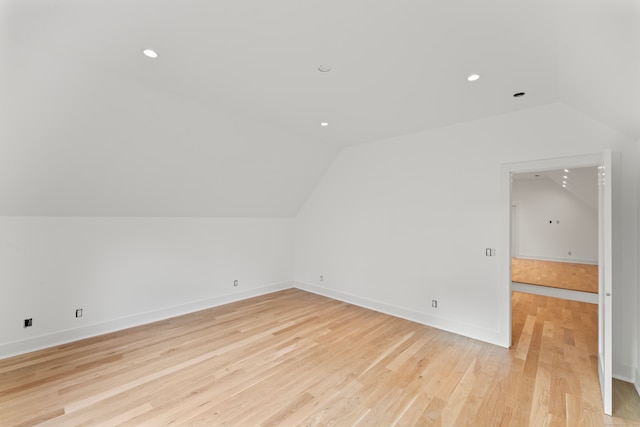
<point x="554" y="232"/>
<point x="312" y="213"/>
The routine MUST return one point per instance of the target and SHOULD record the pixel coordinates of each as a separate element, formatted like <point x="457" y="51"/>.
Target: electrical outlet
<point x="569" y="253"/>
<point x="322" y="278"/>
<point x="28" y="323"/>
<point x="79" y="312"/>
<point x="235" y="283"/>
<point x="434" y="303"/>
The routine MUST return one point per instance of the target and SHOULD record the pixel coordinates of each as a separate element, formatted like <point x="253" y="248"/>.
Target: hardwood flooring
<point x="294" y="358"/>
<point x="563" y="275"/>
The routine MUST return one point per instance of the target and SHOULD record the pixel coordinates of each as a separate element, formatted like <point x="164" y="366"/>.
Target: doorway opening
<point x="604" y="250"/>
<point x="554" y="233"/>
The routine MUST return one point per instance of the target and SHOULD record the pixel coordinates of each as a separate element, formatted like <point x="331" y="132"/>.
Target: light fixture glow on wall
<point x="473" y="77"/>
<point x="324" y="124"/>
<point x="150" y="53"/>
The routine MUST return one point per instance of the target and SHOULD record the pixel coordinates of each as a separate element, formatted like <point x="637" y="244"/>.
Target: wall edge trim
<point x="458" y="328"/>
<point x="558" y="259"/>
<point x="16" y="348"/>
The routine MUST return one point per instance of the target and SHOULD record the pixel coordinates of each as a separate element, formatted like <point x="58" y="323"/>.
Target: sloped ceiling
<point x="582" y="183"/>
<point x="226" y="121"/>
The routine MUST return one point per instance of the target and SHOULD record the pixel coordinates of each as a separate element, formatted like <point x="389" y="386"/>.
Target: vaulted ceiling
<point x="227" y="120"/>
<point x="581" y="183"/>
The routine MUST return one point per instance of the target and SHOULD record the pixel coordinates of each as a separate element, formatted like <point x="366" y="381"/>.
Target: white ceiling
<point x="226" y="122"/>
<point x="580" y="182"/>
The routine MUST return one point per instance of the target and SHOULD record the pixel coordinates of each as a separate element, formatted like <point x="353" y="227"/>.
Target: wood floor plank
<point x="295" y="358"/>
<point x="563" y="275"/>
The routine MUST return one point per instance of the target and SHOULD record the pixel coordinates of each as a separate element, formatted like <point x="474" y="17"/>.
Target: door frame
<point x="604" y="295"/>
<point x="514" y="237"/>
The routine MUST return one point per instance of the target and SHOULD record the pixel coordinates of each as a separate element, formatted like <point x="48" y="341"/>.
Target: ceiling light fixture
<point x="324" y="68"/>
<point x="473" y="77"/>
<point x="566" y="170"/>
<point x="518" y="95"/>
<point x="150" y="53"/>
<point x="324" y="124"/>
<point x="564" y="176"/>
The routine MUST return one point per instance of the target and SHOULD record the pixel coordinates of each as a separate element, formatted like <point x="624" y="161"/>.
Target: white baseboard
<point x="623" y="373"/>
<point x="627" y="374"/>
<point x="460" y="328"/>
<point x="559" y="259"/>
<point x="62" y="337"/>
<point x="548" y="291"/>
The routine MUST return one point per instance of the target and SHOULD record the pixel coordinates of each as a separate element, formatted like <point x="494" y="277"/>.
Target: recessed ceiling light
<point x="564" y="176"/>
<point x="150" y="53"/>
<point x="473" y="77"/>
<point x="566" y="170"/>
<point x="518" y="95"/>
<point x="324" y="124"/>
<point x="564" y="185"/>
<point x="324" y="68"/>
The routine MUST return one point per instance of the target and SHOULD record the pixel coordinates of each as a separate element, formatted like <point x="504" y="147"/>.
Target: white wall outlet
<point x="235" y="283"/>
<point x="434" y="303"/>
<point x="322" y="278"/>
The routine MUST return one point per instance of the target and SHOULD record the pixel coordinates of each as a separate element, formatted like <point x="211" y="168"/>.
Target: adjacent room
<point x="312" y="213"/>
<point x="554" y="229"/>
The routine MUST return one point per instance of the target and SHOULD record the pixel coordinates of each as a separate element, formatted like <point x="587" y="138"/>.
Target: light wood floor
<point x="563" y="275"/>
<point x="294" y="358"/>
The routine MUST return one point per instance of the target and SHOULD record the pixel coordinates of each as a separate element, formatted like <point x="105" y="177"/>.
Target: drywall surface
<point x="637" y="288"/>
<point x="553" y="224"/>
<point x="128" y="271"/>
<point x="398" y="223"/>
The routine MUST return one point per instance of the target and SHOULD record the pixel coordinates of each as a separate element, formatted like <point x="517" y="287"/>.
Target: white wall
<point x="395" y="224"/>
<point x="127" y="271"/>
<point x="637" y="322"/>
<point x="541" y="203"/>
